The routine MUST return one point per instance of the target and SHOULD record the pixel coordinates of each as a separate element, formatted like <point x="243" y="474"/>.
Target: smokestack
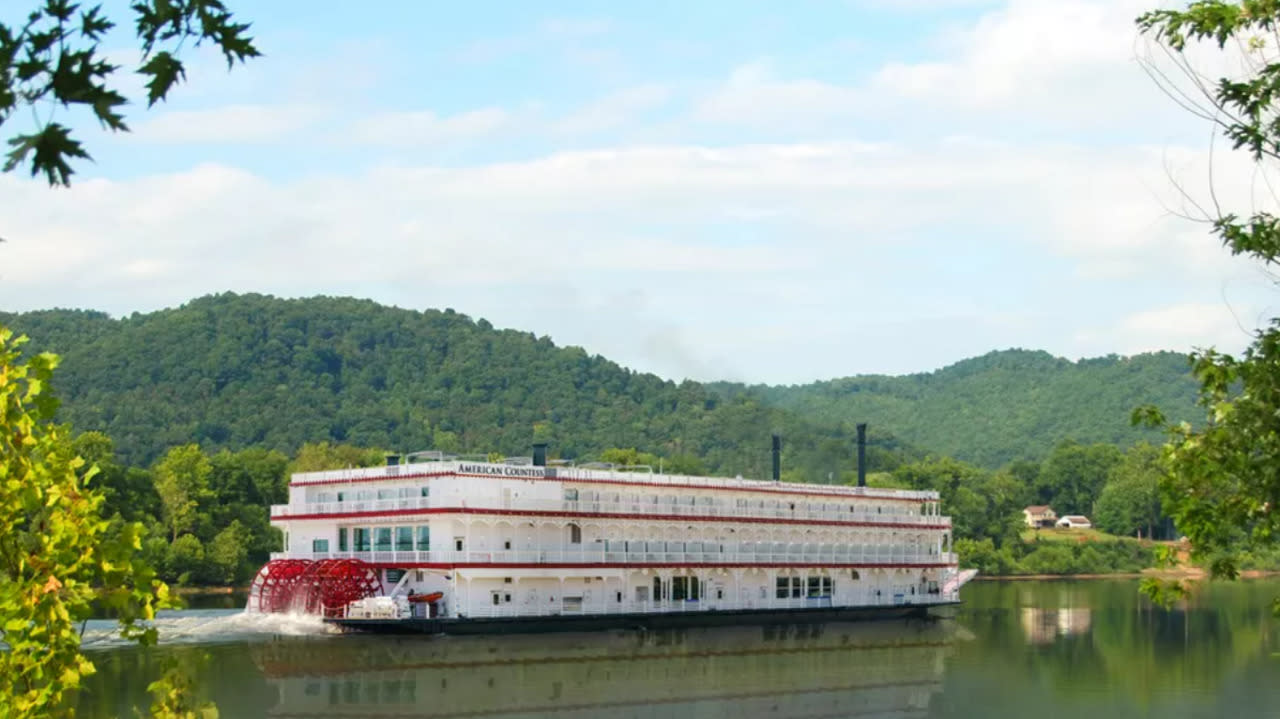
<point x="540" y="454"/>
<point x="777" y="458"/>
<point x="862" y="454"/>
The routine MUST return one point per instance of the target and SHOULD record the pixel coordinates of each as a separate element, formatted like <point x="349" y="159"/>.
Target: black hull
<point x="598" y="622"/>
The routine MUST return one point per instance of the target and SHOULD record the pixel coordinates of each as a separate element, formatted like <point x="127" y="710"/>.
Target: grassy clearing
<point x="1068" y="535"/>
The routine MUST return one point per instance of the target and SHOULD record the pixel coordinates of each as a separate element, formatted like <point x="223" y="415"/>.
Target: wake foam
<point x="210" y="626"/>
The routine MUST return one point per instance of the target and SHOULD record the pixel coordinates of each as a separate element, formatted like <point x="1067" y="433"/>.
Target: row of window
<point x="742" y="503"/>
<point x="378" y="539"/>
<point x="370" y="495"/>
<point x="793" y="587"/>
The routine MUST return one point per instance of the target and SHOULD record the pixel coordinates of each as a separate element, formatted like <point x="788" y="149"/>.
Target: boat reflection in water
<point x="884" y="669"/>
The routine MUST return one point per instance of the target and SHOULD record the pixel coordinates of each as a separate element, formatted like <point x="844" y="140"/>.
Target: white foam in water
<point x="204" y="626"/>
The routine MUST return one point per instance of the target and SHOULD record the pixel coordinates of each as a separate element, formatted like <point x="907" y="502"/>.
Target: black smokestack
<point x="862" y="454"/>
<point x="777" y="458"/>
<point x="540" y="454"/>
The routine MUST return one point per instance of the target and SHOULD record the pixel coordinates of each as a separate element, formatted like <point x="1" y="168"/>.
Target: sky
<point x="752" y="191"/>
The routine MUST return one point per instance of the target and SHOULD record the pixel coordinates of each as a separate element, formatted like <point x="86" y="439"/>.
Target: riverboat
<point x="437" y="543"/>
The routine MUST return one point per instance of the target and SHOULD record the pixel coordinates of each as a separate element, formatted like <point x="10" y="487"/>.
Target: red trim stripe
<point x="568" y="480"/>
<point x="603" y="515"/>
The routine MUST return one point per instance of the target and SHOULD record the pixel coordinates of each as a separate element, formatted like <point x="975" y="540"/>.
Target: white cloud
<point x="420" y="128"/>
<point x="1181" y="327"/>
<point x="755" y="96"/>
<point x="614" y="110"/>
<point x="227" y="124"/>
<point x="830" y="226"/>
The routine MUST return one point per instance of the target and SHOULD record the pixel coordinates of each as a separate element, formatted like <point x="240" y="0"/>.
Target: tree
<point x="228" y="552"/>
<point x="57" y="555"/>
<point x="182" y="481"/>
<point x="1223" y="483"/>
<point x="1072" y="477"/>
<point x="1130" y="501"/>
<point x="53" y="61"/>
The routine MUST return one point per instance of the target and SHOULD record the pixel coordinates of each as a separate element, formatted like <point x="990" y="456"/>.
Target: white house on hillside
<point x="1075" y="521"/>
<point x="1038" y="515"/>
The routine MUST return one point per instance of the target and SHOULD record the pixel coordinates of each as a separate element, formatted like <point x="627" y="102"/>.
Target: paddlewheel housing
<point x="316" y="587"/>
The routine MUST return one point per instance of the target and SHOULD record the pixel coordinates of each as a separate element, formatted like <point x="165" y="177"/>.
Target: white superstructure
<point x="510" y="538"/>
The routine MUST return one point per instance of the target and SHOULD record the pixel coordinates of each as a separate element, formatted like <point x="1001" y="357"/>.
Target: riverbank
<point x="1192" y="573"/>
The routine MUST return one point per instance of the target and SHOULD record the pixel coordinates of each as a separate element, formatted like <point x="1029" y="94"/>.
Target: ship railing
<point x="632" y="509"/>
<point x="606" y="604"/>
<point x="894" y="557"/>
<point x="353" y="506"/>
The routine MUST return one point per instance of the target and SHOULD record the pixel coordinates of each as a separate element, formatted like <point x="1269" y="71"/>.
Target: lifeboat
<point x="428" y="598"/>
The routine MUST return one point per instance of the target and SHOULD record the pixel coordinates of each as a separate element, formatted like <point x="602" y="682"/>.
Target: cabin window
<point x="685" y="588"/>
<point x="342" y="539"/>
<point x="426" y="492"/>
<point x="406" y="492"/>
<point x="320" y="546"/>
<point x="571" y="495"/>
<point x="424" y="538"/>
<point x="361" y="537"/>
<point x="853" y="574"/>
<point x="819" y="587"/>
<point x="506" y="544"/>
<point x="387" y="494"/>
<point x="382" y="539"/>
<point x="404" y="539"/>
<point x="342" y="496"/>
<point x="575" y="534"/>
<point x="658" y="593"/>
<point x="784" y="587"/>
<point x="457" y="544"/>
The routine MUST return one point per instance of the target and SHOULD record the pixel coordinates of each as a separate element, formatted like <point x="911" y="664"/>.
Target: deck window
<point x="426" y="491"/>
<point x="424" y="538"/>
<point x="571" y="495"/>
<point x="387" y="494"/>
<point x="575" y="534"/>
<point x="320" y="546"/>
<point x="684" y="588"/>
<point x="382" y="539"/>
<point x="404" y="539"/>
<point x="342" y="539"/>
<point x="361" y="537"/>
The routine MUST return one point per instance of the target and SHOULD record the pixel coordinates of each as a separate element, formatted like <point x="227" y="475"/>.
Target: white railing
<point x="856" y="555"/>
<point x="645" y="509"/>
<point x="352" y="507"/>
<point x="598" y="475"/>
<point x="867" y="598"/>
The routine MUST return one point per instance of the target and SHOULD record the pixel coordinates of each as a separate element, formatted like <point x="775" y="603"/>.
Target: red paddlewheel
<point x="331" y="584"/>
<point x="275" y="589"/>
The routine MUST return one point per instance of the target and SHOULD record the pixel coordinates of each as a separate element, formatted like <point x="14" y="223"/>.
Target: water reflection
<point x="1048" y="649"/>
<point x="1044" y="626"/>
<point x="871" y="670"/>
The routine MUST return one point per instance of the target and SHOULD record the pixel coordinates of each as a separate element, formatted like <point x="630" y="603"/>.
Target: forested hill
<point x="232" y="371"/>
<point x="1002" y="406"/>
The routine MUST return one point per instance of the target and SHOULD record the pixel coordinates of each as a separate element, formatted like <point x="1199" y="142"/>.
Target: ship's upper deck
<point x="433" y="464"/>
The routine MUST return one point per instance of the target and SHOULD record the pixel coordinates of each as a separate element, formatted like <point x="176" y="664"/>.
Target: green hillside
<point x="1002" y="406"/>
<point x="232" y="371"/>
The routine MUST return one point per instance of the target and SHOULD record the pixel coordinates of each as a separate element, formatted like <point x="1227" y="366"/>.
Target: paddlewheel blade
<point x="275" y="588"/>
<point x="332" y="584"/>
<point x="322" y="587"/>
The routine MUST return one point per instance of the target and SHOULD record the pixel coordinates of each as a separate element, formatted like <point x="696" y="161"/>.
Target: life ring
<point x="432" y="597"/>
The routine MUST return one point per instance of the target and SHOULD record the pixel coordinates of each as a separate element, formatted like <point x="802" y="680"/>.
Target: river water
<point x="1090" y="649"/>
